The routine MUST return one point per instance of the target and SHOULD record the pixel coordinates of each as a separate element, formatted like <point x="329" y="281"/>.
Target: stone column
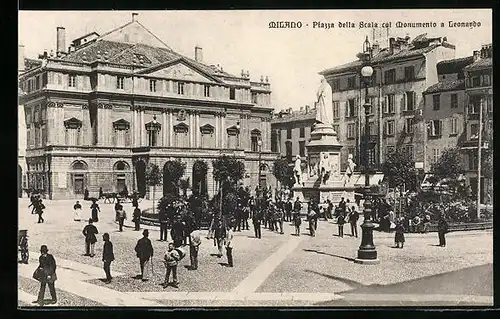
<point x="197" y="130"/>
<point x="142" y="129"/>
<point x="164" y="128"/>
<point x="217" y="130"/>
<point x="223" y="130"/>
<point x="170" y="127"/>
<point x="191" y="129"/>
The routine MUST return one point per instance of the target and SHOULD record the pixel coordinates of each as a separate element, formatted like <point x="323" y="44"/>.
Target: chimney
<point x="375" y="48"/>
<point x="392" y="43"/>
<point x="134" y="16"/>
<point x="61" y="40"/>
<point x="198" y="54"/>
<point x="301" y="109"/>
<point x="476" y="55"/>
<point x="20" y="55"/>
<point x="307" y="109"/>
<point x="290" y="111"/>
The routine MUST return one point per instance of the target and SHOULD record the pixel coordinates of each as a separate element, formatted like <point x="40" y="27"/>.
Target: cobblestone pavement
<point x="277" y="270"/>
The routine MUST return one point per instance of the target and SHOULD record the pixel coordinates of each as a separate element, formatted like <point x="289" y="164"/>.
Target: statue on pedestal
<point x="297" y="170"/>
<point x="350" y="168"/>
<point x="324" y="109"/>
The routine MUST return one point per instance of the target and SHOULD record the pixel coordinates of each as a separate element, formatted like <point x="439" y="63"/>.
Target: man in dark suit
<point x="256" y="219"/>
<point x="162" y="216"/>
<point x="144" y="250"/>
<point x="48" y="275"/>
<point x="107" y="256"/>
<point x="288" y="210"/>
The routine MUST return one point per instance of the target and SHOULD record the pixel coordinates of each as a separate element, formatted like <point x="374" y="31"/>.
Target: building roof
<point x="444" y="86"/>
<point x="381" y="57"/>
<point x="295" y="117"/>
<point x="454" y="65"/>
<point x="31" y="63"/>
<point x="86" y="35"/>
<point x="480" y="64"/>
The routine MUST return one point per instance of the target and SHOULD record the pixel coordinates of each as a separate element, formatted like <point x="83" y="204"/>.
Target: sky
<point x="290" y="57"/>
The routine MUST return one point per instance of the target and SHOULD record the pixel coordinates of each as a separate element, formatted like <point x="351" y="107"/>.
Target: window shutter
<point x="403" y="102"/>
<point x="414" y="99"/>
<point x="356" y="106"/>
<point x="127" y="137"/>
<point x="385" y="128"/>
<point x="385" y="106"/>
<point x="346" y="108"/>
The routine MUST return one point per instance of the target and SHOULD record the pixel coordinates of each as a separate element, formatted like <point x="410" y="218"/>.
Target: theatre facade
<point x="97" y="112"/>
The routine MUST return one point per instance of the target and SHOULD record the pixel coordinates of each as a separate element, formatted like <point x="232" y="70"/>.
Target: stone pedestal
<point x="323" y="179"/>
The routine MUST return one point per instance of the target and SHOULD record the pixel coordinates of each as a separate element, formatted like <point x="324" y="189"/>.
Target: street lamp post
<point x="367" y="254"/>
<point x="259" y="144"/>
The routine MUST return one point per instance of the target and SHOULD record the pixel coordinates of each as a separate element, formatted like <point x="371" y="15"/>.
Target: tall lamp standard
<point x="259" y="144"/>
<point x="367" y="254"/>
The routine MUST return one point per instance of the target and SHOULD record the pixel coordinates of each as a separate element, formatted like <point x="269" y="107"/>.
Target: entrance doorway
<point x="140" y="169"/>
<point x="200" y="178"/>
<point x="78" y="184"/>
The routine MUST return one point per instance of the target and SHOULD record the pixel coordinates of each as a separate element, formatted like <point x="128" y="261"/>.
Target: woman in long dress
<point x="95" y="209"/>
<point x="77" y="208"/>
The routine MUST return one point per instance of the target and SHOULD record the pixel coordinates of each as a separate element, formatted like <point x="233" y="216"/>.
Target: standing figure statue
<point x="350" y="168"/>
<point x="324" y="110"/>
<point x="297" y="170"/>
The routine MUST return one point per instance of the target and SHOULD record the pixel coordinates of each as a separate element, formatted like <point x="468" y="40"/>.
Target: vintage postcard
<point x="263" y="158"/>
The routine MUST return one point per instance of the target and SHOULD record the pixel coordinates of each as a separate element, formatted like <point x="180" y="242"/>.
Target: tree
<point x="228" y="171"/>
<point x="447" y="169"/>
<point x="282" y="171"/>
<point x="184" y="185"/>
<point x="399" y="169"/>
<point x="153" y="178"/>
<point x="172" y="173"/>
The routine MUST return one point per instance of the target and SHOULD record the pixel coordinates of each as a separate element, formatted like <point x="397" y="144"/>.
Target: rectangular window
<point x="302" y="132"/>
<point x="351" y="150"/>
<point x="473" y="161"/>
<point x="206" y="91"/>
<point x="153" y="137"/>
<point x="371" y="127"/>
<point x="254" y="98"/>
<point x="72" y="81"/>
<point x="409" y="73"/>
<point x="152" y="85"/>
<point x="474" y="104"/>
<point x="454" y="101"/>
<point x="180" y="88"/>
<point x="374" y="78"/>
<point x="351" y="82"/>
<point x="390" y="128"/>
<point x="410" y="101"/>
<point x="409" y="125"/>
<point x="72" y="136"/>
<point x="119" y="82"/>
<point x="436" y="99"/>
<point x="409" y="151"/>
<point x="302" y="148"/>
<point x="453" y="126"/>
<point x="486" y="80"/>
<point x="390" y="76"/>
<point x="474" y="131"/>
<point x="351" y="108"/>
<point x="288" y="133"/>
<point x="336" y="85"/>
<point x="436" y="153"/>
<point x="37" y="83"/>
<point x="435" y="128"/>
<point x="475" y="81"/>
<point x="336" y="109"/>
<point x="351" y="130"/>
<point x="232" y="94"/>
<point x="390" y="104"/>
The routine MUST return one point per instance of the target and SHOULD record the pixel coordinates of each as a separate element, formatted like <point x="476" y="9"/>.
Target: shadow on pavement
<point x="349" y="282"/>
<point x="328" y="254"/>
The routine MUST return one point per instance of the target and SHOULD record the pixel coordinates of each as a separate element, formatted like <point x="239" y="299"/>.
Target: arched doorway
<point x="140" y="170"/>
<point x="79" y="168"/>
<point x="120" y="169"/>
<point x="19" y="181"/>
<point x="200" y="169"/>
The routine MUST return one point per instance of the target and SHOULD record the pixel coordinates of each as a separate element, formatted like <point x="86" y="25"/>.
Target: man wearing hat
<point x="107" y="256"/>
<point x="47" y="275"/>
<point x="144" y="250"/>
<point x="89" y="231"/>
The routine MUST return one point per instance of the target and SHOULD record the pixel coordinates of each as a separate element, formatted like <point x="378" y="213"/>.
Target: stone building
<point x="99" y="111"/>
<point x="291" y="131"/>
<point x="479" y="96"/>
<point x="402" y="72"/>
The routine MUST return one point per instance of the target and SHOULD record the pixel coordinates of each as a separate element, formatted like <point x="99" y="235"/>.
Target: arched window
<point x="121" y="166"/>
<point x="79" y="165"/>
<point x="79" y="177"/>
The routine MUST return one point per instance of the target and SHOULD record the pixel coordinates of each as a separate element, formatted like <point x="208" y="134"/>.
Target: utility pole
<point x="479" y="149"/>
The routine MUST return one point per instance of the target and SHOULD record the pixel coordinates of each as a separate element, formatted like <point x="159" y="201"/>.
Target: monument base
<point x="322" y="193"/>
<point x="367" y="261"/>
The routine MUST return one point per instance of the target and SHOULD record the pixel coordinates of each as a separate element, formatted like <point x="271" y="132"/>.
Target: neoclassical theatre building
<point x="98" y="111"/>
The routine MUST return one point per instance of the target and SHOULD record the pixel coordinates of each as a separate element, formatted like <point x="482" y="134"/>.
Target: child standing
<point x="399" y="237"/>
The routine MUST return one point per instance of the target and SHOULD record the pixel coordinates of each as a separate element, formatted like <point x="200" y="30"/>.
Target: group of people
<point x="37" y="206"/>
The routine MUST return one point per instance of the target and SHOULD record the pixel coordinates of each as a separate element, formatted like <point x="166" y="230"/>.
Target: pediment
<point x="121" y="124"/>
<point x="179" y="69"/>
<point x="73" y="123"/>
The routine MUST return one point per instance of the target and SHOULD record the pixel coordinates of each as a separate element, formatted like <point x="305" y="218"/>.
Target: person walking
<point x="341" y="222"/>
<point x="144" y="250"/>
<point x="118" y="207"/>
<point x="137" y="218"/>
<point x="353" y="220"/>
<point x="23" y="246"/>
<point x="329" y="209"/>
<point x="89" y="231"/>
<point x="39" y="210"/>
<point x="256" y="220"/>
<point x="162" y="216"/>
<point x="46" y="274"/>
<point x="220" y="234"/>
<point x="86" y="194"/>
<point x="194" y="245"/>
<point x="245" y="215"/>
<point x="288" y="210"/>
<point x="122" y="215"/>
<point x="312" y="216"/>
<point x="238" y="217"/>
<point x="399" y="237"/>
<point x="442" y="230"/>
<point x="107" y="256"/>
<point x="279" y="217"/>
<point x="34" y="203"/>
<point x="297" y="221"/>
<point x="171" y="259"/>
<point x="101" y="193"/>
<point x="77" y="208"/>
<point x="95" y="210"/>
<point x="228" y="241"/>
<point x="342" y="205"/>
